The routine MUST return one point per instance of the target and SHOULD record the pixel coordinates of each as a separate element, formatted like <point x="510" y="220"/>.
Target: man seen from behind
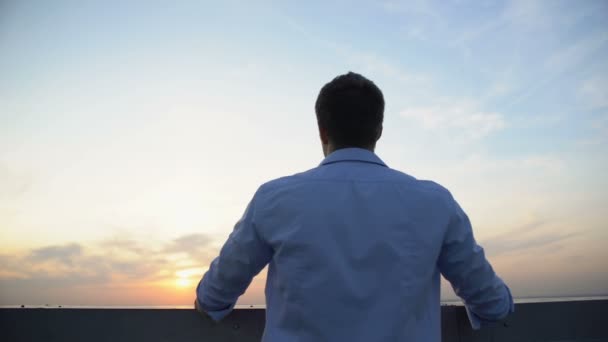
<point x="354" y="248"/>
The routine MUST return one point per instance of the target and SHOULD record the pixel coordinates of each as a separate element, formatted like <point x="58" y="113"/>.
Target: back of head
<point x="350" y="109"/>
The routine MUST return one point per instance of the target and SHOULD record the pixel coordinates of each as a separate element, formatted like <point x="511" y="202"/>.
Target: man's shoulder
<point x="429" y="187"/>
<point x="422" y="186"/>
<point x="285" y="181"/>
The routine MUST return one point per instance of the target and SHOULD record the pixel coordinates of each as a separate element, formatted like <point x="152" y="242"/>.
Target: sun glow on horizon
<point x="188" y="277"/>
<point x="182" y="282"/>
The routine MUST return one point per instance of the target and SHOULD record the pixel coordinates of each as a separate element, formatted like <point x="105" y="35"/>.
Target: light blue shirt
<point x="355" y="252"/>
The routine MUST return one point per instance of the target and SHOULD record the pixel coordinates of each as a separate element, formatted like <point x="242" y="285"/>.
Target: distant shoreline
<point x="457" y="302"/>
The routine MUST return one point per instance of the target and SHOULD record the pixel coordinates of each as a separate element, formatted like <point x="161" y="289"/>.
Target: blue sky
<point x="128" y="128"/>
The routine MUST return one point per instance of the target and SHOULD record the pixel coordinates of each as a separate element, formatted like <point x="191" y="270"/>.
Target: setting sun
<point x="183" y="282"/>
<point x="188" y="277"/>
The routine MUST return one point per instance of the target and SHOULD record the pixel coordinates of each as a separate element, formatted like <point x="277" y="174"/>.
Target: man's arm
<point x="241" y="258"/>
<point x="463" y="263"/>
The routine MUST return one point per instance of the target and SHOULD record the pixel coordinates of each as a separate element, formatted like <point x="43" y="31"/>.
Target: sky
<point x="134" y="133"/>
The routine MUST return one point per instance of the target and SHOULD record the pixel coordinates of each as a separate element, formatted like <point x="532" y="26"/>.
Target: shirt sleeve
<point x="241" y="258"/>
<point x="463" y="263"/>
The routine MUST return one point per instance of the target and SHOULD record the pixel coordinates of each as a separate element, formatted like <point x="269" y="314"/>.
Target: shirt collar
<point x="352" y="154"/>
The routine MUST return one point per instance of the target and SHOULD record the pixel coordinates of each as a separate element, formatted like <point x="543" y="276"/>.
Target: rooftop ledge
<point x="539" y="322"/>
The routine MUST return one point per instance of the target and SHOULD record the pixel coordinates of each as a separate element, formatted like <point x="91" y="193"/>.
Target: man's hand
<point x="200" y="310"/>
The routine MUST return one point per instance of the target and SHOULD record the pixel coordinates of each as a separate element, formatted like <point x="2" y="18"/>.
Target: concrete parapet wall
<point x="539" y="322"/>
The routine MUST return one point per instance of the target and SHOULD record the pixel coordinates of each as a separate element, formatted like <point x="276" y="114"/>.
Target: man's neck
<point x="332" y="148"/>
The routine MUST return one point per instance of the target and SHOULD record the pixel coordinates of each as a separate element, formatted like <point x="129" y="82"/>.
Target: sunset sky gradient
<point x="133" y="133"/>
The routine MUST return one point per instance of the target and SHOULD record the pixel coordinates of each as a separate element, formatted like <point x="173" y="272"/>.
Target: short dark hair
<point x="351" y="109"/>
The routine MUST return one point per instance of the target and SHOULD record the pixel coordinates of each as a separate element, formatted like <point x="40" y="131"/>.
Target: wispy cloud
<point x="594" y="92"/>
<point x="563" y="61"/>
<point x="64" y="254"/>
<point x="365" y="61"/>
<point x="599" y="132"/>
<point x="577" y="52"/>
<point x="464" y="119"/>
<point x="418" y="7"/>
<point x="528" y="237"/>
<point x="123" y="245"/>
<point x="12" y="184"/>
<point x="521" y="18"/>
<point x="195" y="246"/>
<point x="107" y="262"/>
<point x="428" y="18"/>
<point x="513" y="23"/>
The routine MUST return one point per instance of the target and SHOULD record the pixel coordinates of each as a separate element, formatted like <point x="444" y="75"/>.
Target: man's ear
<point x="323" y="135"/>
<point x="379" y="132"/>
